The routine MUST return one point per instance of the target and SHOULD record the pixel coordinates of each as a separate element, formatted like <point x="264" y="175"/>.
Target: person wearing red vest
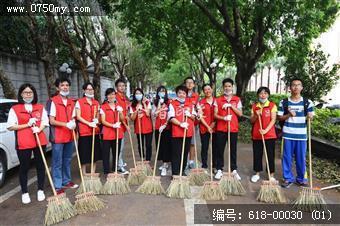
<point x="124" y="102"/>
<point x="160" y="113"/>
<point x="179" y="109"/>
<point x="27" y="118"/>
<point x="140" y="111"/>
<point x="207" y="123"/>
<point x="87" y="113"/>
<point x="227" y="108"/>
<point x="265" y="111"/>
<point x="111" y="115"/>
<point x="61" y="114"/>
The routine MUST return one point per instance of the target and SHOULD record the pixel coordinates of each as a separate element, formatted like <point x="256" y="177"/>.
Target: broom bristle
<point x="231" y="186"/>
<point x="151" y="186"/>
<point x="271" y="192"/>
<point x="59" y="208"/>
<point x="310" y="199"/>
<point x="198" y="177"/>
<point x="212" y="191"/>
<point x="88" y="202"/>
<point x="145" y="166"/>
<point x="91" y="183"/>
<point x="136" y="176"/>
<point x="115" y="185"/>
<point x="179" y="188"/>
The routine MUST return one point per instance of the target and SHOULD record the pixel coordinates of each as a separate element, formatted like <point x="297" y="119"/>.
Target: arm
<point x="147" y="107"/>
<point x="54" y="122"/>
<point x="104" y="122"/>
<point x="216" y="114"/>
<point x="272" y="122"/>
<point x="237" y="111"/>
<point x="81" y="119"/>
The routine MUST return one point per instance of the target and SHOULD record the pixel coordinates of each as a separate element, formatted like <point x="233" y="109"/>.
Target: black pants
<point x="147" y="145"/>
<point x="107" y="145"/>
<point x="176" y="154"/>
<point x="205" y="140"/>
<point x="258" y="152"/>
<point x="221" y="140"/>
<point x="24" y="157"/>
<point x="165" y="145"/>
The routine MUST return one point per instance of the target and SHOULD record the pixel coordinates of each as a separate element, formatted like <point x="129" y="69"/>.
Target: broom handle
<point x="132" y="149"/>
<point x="229" y="168"/>
<point x="78" y="158"/>
<point x="310" y="153"/>
<point x="155" y="164"/>
<point x="140" y="138"/>
<point x="93" y="137"/>
<point x="117" y="134"/>
<point x="211" y="156"/>
<point x="183" y="145"/>
<point x="46" y="166"/>
<point x="264" y="148"/>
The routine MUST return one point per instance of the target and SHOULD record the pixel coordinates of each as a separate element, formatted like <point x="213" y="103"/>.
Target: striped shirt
<point x="295" y="128"/>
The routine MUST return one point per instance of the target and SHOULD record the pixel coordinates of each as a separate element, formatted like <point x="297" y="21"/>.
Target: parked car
<point x="8" y="155"/>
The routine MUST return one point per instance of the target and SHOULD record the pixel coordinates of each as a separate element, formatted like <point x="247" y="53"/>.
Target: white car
<point x="8" y="154"/>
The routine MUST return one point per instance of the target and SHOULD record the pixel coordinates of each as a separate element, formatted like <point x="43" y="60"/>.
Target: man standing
<point x="293" y="111"/>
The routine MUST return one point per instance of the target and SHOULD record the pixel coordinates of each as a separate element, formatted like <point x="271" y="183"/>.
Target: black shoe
<point x="301" y="184"/>
<point x="286" y="184"/>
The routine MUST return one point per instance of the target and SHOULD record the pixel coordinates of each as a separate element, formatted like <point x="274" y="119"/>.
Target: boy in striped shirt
<point x="293" y="111"/>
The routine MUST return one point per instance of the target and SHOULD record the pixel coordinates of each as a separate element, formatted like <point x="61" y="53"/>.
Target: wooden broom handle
<point x="78" y="158"/>
<point x="45" y="164"/>
<point x="155" y="164"/>
<point x="117" y="136"/>
<point x="195" y="146"/>
<point x="93" y="140"/>
<point x="229" y="166"/>
<point x="211" y="156"/>
<point x="264" y="147"/>
<point x="310" y="152"/>
<point x="140" y="138"/>
<point x="183" y="146"/>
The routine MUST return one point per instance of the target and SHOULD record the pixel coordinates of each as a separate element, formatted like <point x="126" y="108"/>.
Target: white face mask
<point x="161" y="94"/>
<point x="139" y="97"/>
<point x="28" y="100"/>
<point x="263" y="100"/>
<point x="181" y="100"/>
<point x="89" y="95"/>
<point x="64" y="94"/>
<point x="228" y="93"/>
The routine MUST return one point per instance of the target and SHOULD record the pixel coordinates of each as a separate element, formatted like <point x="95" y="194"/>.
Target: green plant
<point x="323" y="128"/>
<point x="244" y="132"/>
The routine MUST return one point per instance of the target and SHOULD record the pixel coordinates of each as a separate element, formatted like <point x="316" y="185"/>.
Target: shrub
<point x="323" y="128"/>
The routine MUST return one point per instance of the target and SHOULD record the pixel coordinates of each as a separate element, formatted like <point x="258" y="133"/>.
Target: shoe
<point x="25" y="198"/>
<point x="164" y="171"/>
<point x="124" y="164"/>
<point x="302" y="184"/>
<point x="71" y="185"/>
<point x="236" y="175"/>
<point x="123" y="171"/>
<point x="286" y="184"/>
<point x="192" y="165"/>
<point x="219" y="175"/>
<point x="40" y="195"/>
<point x="255" y="178"/>
<point x="60" y="191"/>
<point x="161" y="167"/>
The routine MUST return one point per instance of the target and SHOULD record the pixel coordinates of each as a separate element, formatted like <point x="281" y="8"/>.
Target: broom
<point x="91" y="181"/>
<point x="59" y="207"/>
<point x="197" y="176"/>
<point x="270" y="191"/>
<point x="211" y="189"/>
<point x="152" y="185"/>
<point x="116" y="183"/>
<point x="142" y="165"/>
<point x="229" y="184"/>
<point x="180" y="185"/>
<point x="86" y="201"/>
<point x="310" y="198"/>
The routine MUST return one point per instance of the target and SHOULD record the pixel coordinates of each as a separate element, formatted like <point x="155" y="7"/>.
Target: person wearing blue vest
<point x="293" y="111"/>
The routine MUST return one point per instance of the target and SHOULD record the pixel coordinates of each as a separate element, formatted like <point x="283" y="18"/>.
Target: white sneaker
<point x="161" y="167"/>
<point x="219" y="175"/>
<point x="164" y="171"/>
<point x="40" y="195"/>
<point x="25" y="198"/>
<point x="236" y="175"/>
<point x="255" y="178"/>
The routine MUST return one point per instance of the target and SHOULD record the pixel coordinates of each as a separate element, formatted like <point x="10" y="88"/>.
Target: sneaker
<point x="236" y="175"/>
<point x="40" y="195"/>
<point x="255" y="178"/>
<point x="71" y="185"/>
<point x="218" y="175"/>
<point x="123" y="171"/>
<point x="164" y="172"/>
<point x="60" y="191"/>
<point x="124" y="164"/>
<point x="192" y="165"/>
<point x="286" y="184"/>
<point x="302" y="184"/>
<point x="161" y="167"/>
<point x="25" y="198"/>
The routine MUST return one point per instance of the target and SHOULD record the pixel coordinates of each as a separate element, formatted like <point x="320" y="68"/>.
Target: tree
<point x="7" y="86"/>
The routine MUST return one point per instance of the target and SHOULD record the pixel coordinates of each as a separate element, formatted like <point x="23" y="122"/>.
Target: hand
<point x="187" y="113"/>
<point x="116" y="125"/>
<point x="263" y="131"/>
<point x="128" y="129"/>
<point x="310" y="115"/>
<point x="144" y="100"/>
<point x="32" y="121"/>
<point x="184" y="125"/>
<point x="119" y="109"/>
<point x="291" y="113"/>
<point x="139" y="107"/>
<point x="92" y="124"/>
<point x="227" y="118"/>
<point x="258" y="112"/>
<point x="226" y="105"/>
<point x="95" y="121"/>
<point x="212" y="125"/>
<point x="36" y="129"/>
<point x="210" y="130"/>
<point x="161" y="100"/>
<point x="161" y="128"/>
<point x="71" y="125"/>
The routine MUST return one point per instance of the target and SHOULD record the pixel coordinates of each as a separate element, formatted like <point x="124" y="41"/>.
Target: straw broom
<point x="152" y="185"/>
<point x="310" y="198"/>
<point x="142" y="165"/>
<point x="59" y="207"/>
<point x="91" y="181"/>
<point x="270" y="191"/>
<point x="229" y="184"/>
<point x="86" y="201"/>
<point x="197" y="176"/>
<point x="116" y="183"/>
<point x="180" y="185"/>
<point x="211" y="189"/>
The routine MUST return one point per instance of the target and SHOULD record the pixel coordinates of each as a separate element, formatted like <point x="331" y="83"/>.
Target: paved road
<point x="134" y="208"/>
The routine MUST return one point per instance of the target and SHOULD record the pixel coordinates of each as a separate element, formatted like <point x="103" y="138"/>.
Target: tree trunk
<point x="278" y="81"/>
<point x="268" y="81"/>
<point x="261" y="76"/>
<point x="50" y="77"/>
<point x="7" y="86"/>
<point x="245" y="69"/>
<point x="96" y="81"/>
<point x="256" y="81"/>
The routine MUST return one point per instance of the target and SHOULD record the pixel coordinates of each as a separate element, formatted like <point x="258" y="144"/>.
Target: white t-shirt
<point x="12" y="119"/>
<point x="53" y="109"/>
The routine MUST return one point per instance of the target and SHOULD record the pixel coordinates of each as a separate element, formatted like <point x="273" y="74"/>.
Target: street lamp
<point x="65" y="69"/>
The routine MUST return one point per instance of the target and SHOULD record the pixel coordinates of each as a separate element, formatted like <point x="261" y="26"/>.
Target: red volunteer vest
<point x="145" y="121"/>
<point x="24" y="138"/>
<point x="162" y="116"/>
<point x="111" y="116"/>
<point x="86" y="112"/>
<point x="193" y="99"/>
<point x="208" y="114"/>
<point x="266" y="118"/>
<point x="178" y="131"/>
<point x="61" y="134"/>
<point x="124" y="102"/>
<point x="222" y="126"/>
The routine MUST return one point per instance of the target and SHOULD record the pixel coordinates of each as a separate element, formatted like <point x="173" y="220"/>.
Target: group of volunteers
<point x="185" y="115"/>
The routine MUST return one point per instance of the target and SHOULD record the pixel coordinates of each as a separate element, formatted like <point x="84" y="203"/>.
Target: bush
<point x="244" y="133"/>
<point x="323" y="128"/>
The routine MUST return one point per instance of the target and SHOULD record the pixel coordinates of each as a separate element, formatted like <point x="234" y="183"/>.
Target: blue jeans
<point x="61" y="164"/>
<point x="120" y="157"/>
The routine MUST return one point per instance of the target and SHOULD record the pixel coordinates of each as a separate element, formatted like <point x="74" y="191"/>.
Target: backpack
<point x="285" y="109"/>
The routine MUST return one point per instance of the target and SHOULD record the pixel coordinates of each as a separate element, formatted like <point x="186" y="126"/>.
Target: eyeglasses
<point x="90" y="89"/>
<point x="27" y="92"/>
